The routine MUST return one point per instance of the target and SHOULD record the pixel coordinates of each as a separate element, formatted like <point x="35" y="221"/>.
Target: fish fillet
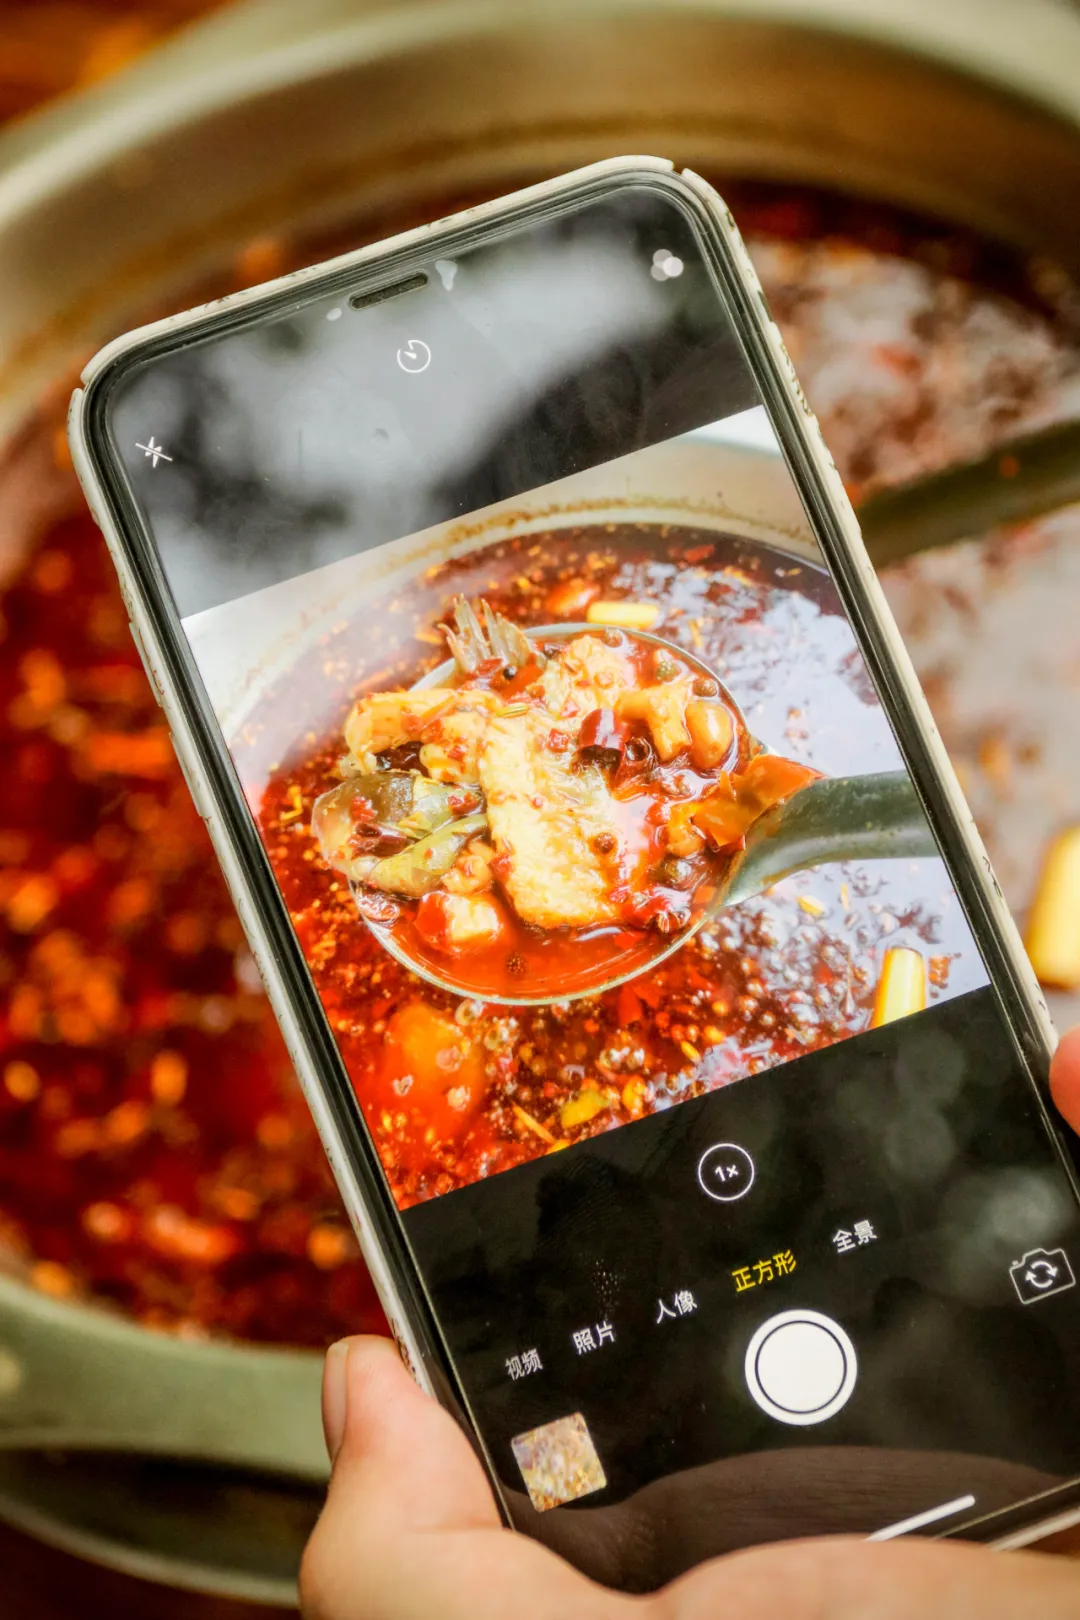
<point x="543" y="818"/>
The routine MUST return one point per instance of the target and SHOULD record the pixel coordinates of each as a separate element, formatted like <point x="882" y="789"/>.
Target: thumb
<point x="1065" y="1077"/>
<point x="387" y="1438"/>
<point x="410" y="1529"/>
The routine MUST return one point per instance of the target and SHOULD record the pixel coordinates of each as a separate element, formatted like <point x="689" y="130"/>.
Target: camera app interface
<point x="736" y="1206"/>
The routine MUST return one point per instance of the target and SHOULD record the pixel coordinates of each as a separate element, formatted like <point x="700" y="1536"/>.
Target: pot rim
<point x="185" y="1574"/>
<point x="260" y="46"/>
<point x="107" y="153"/>
<point x="233" y="1403"/>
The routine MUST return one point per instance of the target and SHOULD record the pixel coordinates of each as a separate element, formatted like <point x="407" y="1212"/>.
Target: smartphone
<point x="668" y="1035"/>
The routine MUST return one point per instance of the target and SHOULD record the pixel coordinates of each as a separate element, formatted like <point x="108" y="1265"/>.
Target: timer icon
<point x="414" y="357"/>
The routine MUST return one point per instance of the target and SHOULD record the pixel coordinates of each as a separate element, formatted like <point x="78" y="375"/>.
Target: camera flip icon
<point x="1040" y="1273"/>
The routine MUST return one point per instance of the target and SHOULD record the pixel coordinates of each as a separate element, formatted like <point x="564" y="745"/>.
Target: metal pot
<point x="275" y="115"/>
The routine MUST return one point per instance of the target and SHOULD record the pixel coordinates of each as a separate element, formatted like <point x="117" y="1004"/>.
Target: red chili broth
<point x="154" y="1146"/>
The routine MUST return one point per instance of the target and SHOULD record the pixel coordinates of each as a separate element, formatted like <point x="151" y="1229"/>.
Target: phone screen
<point x="728" y="1186"/>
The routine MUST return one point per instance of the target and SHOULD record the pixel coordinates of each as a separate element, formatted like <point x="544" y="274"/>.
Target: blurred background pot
<point x="199" y="1463"/>
<point x="278" y="114"/>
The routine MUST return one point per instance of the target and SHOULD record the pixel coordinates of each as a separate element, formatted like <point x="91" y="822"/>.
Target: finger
<point x="400" y="1442"/>
<point x="858" y="1580"/>
<point x="1065" y="1077"/>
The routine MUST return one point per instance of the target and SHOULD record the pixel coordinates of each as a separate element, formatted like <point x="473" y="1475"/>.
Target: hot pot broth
<point x="153" y="1144"/>
<point x="154" y="1149"/>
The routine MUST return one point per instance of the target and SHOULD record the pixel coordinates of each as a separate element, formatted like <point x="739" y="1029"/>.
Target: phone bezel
<point x="216" y="790"/>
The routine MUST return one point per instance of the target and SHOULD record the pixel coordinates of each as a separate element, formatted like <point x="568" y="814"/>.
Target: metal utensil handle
<point x="1022" y="479"/>
<point x="76" y="1377"/>
<point x="840" y="818"/>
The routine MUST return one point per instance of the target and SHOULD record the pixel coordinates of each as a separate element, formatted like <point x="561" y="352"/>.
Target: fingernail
<point x="335" y="1395"/>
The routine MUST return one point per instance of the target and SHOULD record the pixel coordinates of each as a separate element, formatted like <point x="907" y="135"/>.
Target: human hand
<point x="410" y="1529"/>
<point x="1065" y="1077"/>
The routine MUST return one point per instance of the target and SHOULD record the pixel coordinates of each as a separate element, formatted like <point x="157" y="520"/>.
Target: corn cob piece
<point x="623" y="615"/>
<point x="902" y="987"/>
<point x="1053" y="929"/>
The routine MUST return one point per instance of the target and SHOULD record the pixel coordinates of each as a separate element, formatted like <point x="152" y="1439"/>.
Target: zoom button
<point x="725" y="1172"/>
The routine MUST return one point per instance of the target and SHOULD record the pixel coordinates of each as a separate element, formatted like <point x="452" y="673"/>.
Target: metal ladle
<point x="835" y="819"/>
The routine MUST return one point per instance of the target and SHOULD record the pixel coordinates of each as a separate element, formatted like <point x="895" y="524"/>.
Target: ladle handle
<point x="1022" y="479"/>
<point x="840" y="818"/>
<point x="75" y="1377"/>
